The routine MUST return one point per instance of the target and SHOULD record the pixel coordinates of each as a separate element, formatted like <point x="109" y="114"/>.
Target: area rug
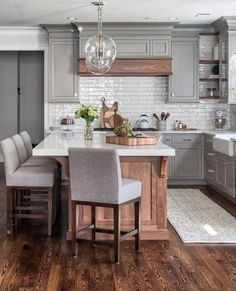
<point x="198" y="219"/>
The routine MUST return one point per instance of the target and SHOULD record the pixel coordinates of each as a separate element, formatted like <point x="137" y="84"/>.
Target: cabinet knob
<point x="172" y="94"/>
<point x="75" y="94"/>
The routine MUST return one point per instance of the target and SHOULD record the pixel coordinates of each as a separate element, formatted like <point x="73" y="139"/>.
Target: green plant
<point x="87" y="112"/>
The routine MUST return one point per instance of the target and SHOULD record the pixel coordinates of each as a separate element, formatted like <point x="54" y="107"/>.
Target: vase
<point x="88" y="131"/>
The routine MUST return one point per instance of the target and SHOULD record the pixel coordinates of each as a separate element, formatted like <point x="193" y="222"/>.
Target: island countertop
<point x="145" y="163"/>
<point x="57" y="144"/>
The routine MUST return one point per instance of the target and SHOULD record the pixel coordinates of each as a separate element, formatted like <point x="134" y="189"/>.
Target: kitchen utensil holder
<point x="162" y="125"/>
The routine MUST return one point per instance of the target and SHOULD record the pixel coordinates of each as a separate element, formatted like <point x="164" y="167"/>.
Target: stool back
<point x="28" y="143"/>
<point x="10" y="156"/>
<point x="95" y="175"/>
<point x="20" y="147"/>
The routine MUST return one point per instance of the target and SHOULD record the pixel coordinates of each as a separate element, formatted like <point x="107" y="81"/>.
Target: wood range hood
<point x="134" y="67"/>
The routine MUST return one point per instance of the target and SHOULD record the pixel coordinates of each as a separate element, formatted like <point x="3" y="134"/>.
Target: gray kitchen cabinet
<point x="188" y="161"/>
<point x="183" y="82"/>
<point x="136" y="47"/>
<point x="63" y="63"/>
<point x="225" y="179"/>
<point x="161" y="47"/>
<point x="187" y="165"/>
<point x="63" y="78"/>
<point x="219" y="169"/>
<point x="126" y="47"/>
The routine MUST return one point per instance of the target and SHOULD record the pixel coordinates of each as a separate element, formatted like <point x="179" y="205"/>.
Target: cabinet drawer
<point x="188" y="138"/>
<point x="209" y="154"/>
<point x="210" y="171"/>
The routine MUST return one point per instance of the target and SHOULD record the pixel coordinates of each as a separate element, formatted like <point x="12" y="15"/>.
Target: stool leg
<point x="137" y="213"/>
<point x="116" y="214"/>
<point x="9" y="210"/>
<point x="50" y="197"/>
<point x="73" y="229"/>
<point x="93" y="212"/>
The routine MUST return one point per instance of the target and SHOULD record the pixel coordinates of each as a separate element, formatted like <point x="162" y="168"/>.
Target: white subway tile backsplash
<point x="137" y="95"/>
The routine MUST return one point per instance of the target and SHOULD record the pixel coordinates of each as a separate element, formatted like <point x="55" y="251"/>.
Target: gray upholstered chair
<point x="24" y="150"/>
<point x="95" y="180"/>
<point x="22" y="181"/>
<point x="33" y="161"/>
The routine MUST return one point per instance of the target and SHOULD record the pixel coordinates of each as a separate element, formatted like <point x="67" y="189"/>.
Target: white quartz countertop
<point x="57" y="144"/>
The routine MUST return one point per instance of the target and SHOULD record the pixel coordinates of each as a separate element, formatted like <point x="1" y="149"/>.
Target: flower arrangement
<point x="87" y="112"/>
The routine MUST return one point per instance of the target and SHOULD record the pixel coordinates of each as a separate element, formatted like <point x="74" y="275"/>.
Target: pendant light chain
<point x="100" y="7"/>
<point x="100" y="50"/>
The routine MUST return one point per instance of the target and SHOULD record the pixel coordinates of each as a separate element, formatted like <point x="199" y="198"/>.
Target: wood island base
<point x="152" y="172"/>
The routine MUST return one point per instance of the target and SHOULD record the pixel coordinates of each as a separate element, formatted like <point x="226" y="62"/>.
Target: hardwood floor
<point x="32" y="261"/>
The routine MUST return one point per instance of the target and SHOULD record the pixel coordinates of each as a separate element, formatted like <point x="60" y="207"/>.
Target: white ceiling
<point x="35" y="12"/>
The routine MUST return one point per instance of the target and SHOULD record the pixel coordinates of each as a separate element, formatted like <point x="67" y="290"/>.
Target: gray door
<point x="8" y="94"/>
<point x="31" y="74"/>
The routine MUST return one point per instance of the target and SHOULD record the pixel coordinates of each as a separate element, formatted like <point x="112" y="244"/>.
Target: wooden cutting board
<point x="131" y="140"/>
<point x="115" y="120"/>
<point x="107" y="112"/>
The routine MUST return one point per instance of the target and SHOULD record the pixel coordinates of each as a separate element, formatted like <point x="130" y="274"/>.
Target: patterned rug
<point x="197" y="219"/>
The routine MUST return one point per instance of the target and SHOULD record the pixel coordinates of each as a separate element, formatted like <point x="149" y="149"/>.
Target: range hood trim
<point x="134" y="67"/>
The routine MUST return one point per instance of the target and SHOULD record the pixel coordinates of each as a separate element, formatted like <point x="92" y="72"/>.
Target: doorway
<point x="22" y="93"/>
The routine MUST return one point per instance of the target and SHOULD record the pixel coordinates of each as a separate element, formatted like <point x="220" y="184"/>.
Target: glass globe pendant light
<point x="100" y="50"/>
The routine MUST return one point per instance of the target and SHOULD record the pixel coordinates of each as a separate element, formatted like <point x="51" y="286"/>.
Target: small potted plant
<point x="89" y="113"/>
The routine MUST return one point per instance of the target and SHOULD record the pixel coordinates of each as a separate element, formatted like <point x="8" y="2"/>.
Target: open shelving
<point x="207" y="43"/>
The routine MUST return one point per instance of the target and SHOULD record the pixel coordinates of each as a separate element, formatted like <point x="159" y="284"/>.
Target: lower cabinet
<point x="219" y="169"/>
<point x="187" y="165"/>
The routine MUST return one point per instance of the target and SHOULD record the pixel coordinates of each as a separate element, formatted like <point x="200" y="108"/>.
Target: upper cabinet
<point x="137" y="47"/>
<point x="133" y="40"/>
<point x="63" y="55"/>
<point x="183" y="82"/>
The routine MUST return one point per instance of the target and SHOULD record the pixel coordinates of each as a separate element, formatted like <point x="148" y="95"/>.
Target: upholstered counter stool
<point x="24" y="150"/>
<point x="95" y="180"/>
<point x="35" y="161"/>
<point x="36" y="180"/>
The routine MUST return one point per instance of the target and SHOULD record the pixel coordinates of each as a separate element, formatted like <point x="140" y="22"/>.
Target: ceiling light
<point x="174" y="18"/>
<point x="151" y="18"/>
<point x="202" y="14"/>
<point x="72" y="18"/>
<point x="100" y="50"/>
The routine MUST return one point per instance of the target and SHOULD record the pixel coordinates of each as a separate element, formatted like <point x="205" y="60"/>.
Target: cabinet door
<point x="161" y="47"/>
<point x="229" y="175"/>
<point x="188" y="161"/>
<point x="183" y="82"/>
<point x="221" y="169"/>
<point x="63" y="70"/>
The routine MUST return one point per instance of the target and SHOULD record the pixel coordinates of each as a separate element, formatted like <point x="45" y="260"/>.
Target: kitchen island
<point x="145" y="163"/>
